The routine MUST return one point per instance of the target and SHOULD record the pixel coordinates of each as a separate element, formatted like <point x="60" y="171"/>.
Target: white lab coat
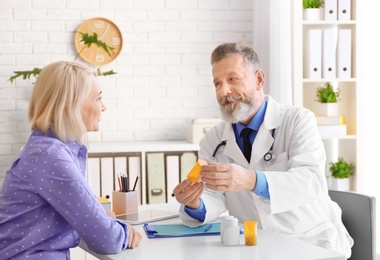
<point x="299" y="205"/>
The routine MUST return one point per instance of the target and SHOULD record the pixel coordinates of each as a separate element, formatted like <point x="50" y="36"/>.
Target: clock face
<point x="107" y="32"/>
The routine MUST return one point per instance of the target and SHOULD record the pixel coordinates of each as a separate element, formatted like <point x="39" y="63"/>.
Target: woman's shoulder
<point x="43" y="143"/>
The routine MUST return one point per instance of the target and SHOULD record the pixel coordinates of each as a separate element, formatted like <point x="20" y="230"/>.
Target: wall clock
<point x="107" y="32"/>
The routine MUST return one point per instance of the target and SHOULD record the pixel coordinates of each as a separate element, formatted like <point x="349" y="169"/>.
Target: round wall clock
<point x="107" y="32"/>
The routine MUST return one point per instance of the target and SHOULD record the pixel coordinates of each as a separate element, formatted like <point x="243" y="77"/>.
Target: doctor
<point x="281" y="184"/>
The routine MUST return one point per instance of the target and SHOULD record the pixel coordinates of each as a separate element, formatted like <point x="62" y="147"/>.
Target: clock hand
<point x="101" y="37"/>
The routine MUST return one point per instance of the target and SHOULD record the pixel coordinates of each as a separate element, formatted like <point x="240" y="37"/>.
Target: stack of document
<point x="331" y="125"/>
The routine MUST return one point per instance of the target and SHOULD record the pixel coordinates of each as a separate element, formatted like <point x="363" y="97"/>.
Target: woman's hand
<point x="110" y="213"/>
<point x="134" y="237"/>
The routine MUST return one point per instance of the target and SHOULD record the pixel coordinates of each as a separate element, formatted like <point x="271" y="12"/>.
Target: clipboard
<point x="180" y="230"/>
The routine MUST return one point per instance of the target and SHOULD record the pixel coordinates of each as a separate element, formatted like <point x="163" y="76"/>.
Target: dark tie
<point x="247" y="146"/>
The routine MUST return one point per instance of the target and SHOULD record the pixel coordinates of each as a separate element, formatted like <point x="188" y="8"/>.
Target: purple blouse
<point x="46" y="205"/>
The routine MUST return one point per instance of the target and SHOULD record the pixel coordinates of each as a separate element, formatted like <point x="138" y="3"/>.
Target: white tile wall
<point x="163" y="76"/>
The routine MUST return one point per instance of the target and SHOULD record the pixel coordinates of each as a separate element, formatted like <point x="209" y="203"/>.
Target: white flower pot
<point x="313" y="14"/>
<point x="340" y="184"/>
<point x="327" y="109"/>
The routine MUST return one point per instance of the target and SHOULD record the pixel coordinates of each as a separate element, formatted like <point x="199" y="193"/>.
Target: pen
<point x="125" y="183"/>
<point x="208" y="228"/>
<point x="134" y="186"/>
<point x="123" y="180"/>
<point x="118" y="180"/>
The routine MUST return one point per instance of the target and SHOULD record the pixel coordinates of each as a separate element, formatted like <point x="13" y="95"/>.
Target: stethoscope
<point x="269" y="157"/>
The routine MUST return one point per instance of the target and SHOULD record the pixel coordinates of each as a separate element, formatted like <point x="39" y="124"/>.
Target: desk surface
<point x="269" y="247"/>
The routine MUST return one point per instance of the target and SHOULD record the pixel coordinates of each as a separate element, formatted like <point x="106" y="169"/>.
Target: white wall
<point x="163" y="71"/>
<point x="369" y="93"/>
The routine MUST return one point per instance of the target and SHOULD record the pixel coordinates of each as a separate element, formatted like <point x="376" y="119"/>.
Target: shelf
<point x="352" y="22"/>
<point x="305" y="80"/>
<point x="306" y="51"/>
<point x="340" y="137"/>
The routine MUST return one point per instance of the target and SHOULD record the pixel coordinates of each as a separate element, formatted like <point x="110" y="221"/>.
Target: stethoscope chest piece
<point x="269" y="157"/>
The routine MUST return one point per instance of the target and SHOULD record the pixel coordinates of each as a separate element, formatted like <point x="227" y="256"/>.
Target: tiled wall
<point x="164" y="75"/>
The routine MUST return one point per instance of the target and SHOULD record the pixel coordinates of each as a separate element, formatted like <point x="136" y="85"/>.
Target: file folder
<point x="329" y="54"/>
<point x="331" y="8"/>
<point x="156" y="184"/>
<point x="181" y="230"/>
<point x="188" y="160"/>
<point x="344" y="10"/>
<point x="172" y="175"/>
<point x="344" y="54"/>
<point x="315" y="54"/>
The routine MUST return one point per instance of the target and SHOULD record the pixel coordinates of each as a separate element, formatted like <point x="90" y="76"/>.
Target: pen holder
<point x="125" y="202"/>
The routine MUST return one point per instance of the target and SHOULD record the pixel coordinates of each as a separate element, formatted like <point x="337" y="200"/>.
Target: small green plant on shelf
<point x="341" y="169"/>
<point x="327" y="94"/>
<point x="313" y="4"/>
<point x="87" y="40"/>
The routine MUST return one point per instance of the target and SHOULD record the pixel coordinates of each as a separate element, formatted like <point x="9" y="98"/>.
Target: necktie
<point x="247" y="146"/>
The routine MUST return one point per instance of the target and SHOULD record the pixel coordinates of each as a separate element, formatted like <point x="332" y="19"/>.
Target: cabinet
<point x="310" y="43"/>
<point x="159" y="166"/>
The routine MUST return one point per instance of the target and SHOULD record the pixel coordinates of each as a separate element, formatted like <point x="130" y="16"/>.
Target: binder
<point x="93" y="175"/>
<point x="181" y="230"/>
<point x="315" y="54"/>
<point x="172" y="171"/>
<point x="344" y="10"/>
<point x="344" y="54"/>
<point x="329" y="54"/>
<point x="188" y="159"/>
<point x="156" y="185"/>
<point x="331" y="8"/>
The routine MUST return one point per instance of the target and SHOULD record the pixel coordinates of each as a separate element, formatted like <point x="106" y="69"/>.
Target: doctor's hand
<point x="188" y="193"/>
<point x="228" y="177"/>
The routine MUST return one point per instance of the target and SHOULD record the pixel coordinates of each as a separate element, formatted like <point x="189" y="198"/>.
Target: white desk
<point x="269" y="247"/>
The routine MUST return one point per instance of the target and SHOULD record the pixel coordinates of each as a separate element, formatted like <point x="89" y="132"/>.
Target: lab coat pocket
<point x="324" y="235"/>
<point x="280" y="164"/>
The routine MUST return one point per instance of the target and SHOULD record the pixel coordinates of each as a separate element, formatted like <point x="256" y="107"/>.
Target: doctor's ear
<point x="260" y="76"/>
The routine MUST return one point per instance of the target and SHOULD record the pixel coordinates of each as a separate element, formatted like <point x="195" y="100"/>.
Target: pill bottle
<point x="222" y="224"/>
<point x="250" y="233"/>
<point x="231" y="232"/>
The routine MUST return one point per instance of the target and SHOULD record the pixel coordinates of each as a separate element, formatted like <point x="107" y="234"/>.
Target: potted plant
<point x="341" y="171"/>
<point x="328" y="99"/>
<point x="87" y="40"/>
<point x="313" y="9"/>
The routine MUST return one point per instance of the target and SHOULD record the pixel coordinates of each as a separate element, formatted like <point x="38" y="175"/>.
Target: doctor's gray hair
<point x="227" y="49"/>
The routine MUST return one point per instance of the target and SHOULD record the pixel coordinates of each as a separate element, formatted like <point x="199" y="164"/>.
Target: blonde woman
<point x="46" y="206"/>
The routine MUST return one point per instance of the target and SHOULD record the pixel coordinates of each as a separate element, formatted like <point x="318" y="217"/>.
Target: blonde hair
<point x="57" y="97"/>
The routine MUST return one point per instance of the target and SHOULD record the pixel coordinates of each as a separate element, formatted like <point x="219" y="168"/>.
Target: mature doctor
<point x="282" y="183"/>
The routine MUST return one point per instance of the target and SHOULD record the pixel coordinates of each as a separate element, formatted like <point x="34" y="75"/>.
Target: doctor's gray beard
<point x="234" y="114"/>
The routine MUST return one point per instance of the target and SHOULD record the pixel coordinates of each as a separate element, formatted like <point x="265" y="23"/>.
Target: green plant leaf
<point x="313" y="3"/>
<point x="327" y="94"/>
<point x="25" y="74"/>
<point x="106" y="73"/>
<point x="88" y="40"/>
<point x="341" y="169"/>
